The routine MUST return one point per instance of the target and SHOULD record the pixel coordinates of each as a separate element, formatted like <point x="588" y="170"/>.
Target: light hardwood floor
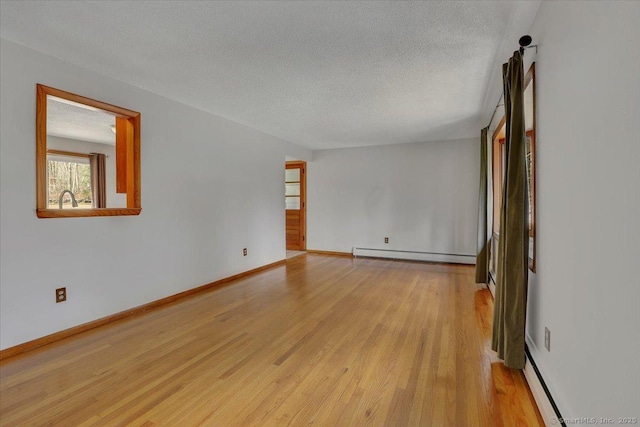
<point x="326" y="340"/>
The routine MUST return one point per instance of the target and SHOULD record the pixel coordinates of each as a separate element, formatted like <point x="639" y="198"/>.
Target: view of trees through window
<point x="69" y="175"/>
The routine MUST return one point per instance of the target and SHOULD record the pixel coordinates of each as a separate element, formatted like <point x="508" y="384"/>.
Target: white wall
<point x="210" y="187"/>
<point x="587" y="286"/>
<point x="422" y="196"/>
<point x="114" y="200"/>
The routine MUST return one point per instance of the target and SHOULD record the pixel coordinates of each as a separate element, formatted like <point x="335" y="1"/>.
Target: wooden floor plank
<point x="321" y="340"/>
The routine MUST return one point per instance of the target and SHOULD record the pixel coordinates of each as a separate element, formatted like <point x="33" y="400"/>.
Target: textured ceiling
<point x="69" y="120"/>
<point x="319" y="74"/>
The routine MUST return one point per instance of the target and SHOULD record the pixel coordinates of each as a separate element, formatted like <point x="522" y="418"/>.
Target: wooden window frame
<point x="498" y="144"/>
<point x="67" y="153"/>
<point x="128" y="123"/>
<point x="531" y="78"/>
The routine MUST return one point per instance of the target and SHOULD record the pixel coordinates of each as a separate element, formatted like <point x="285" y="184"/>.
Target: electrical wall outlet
<point x="61" y="294"/>
<point x="547" y="339"/>
<point x="386" y="240"/>
<point x="244" y="252"/>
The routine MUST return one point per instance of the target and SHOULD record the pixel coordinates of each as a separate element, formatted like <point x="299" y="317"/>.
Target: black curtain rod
<point x="525" y="43"/>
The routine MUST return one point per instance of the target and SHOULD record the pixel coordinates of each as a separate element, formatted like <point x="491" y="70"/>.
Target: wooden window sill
<point x="75" y="213"/>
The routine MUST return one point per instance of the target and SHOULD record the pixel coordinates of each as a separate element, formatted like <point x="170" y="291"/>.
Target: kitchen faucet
<point x="73" y="199"/>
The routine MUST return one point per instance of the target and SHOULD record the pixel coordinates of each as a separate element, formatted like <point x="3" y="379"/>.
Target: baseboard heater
<point x="541" y="394"/>
<point x="414" y="255"/>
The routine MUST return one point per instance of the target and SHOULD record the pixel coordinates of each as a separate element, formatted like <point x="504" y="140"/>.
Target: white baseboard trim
<point x="415" y="255"/>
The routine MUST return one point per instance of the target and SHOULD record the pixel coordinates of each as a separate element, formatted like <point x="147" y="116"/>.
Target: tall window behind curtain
<point x="482" y="258"/>
<point x="98" y="166"/>
<point x="508" y="338"/>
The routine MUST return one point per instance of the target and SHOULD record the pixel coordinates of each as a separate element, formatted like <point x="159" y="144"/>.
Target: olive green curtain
<point x="482" y="255"/>
<point x="510" y="304"/>
<point x="98" y="166"/>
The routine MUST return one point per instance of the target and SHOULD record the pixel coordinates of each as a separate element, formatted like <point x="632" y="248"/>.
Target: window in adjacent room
<point x="68" y="171"/>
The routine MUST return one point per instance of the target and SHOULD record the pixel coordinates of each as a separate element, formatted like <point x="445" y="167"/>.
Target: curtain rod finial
<point x="525" y="41"/>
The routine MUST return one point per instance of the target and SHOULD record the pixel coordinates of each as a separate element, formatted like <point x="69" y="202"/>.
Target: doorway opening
<point x="295" y="195"/>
